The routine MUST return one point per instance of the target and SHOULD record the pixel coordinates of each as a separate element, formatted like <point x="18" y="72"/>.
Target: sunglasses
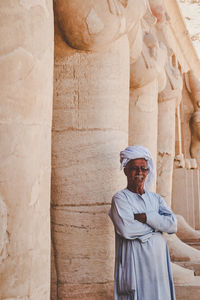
<point x="137" y="169"/>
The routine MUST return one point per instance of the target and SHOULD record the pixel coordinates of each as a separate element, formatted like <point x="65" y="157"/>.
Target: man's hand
<point x="140" y="217"/>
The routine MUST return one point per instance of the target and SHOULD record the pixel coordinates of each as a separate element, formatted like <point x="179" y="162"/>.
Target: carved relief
<point x="150" y="64"/>
<point x="115" y="7"/>
<point x="174" y="82"/>
<point x="195" y="136"/>
<point x="193" y="87"/>
<point x="95" y="24"/>
<point x="174" y="85"/>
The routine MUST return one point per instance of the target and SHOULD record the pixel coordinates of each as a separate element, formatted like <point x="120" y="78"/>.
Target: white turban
<point x="136" y="152"/>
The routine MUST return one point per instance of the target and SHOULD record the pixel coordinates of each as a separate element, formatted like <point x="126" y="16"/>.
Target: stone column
<point x="169" y="98"/>
<point x="143" y="114"/>
<point x="26" y="73"/>
<point x="146" y="80"/>
<point x="90" y="127"/>
<point x="165" y="159"/>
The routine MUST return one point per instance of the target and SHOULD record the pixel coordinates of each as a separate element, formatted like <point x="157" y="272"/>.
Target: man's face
<point x="136" y="172"/>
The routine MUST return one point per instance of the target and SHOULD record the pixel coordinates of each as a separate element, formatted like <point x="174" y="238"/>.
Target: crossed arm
<point x="132" y="226"/>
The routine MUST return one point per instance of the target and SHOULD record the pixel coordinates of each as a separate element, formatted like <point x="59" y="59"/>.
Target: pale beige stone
<point x="91" y="113"/>
<point x="193" y="87"/>
<point x="188" y="291"/>
<point x="26" y="72"/>
<point x="169" y="98"/>
<point x="143" y="111"/>
<point x="182" y="44"/>
<point x="33" y="3"/>
<point x="150" y="63"/>
<point x="166" y="142"/>
<point x="115" y="7"/>
<point x="90" y="127"/>
<point x="3" y="232"/>
<point x="182" y="275"/>
<point x="96" y="33"/>
<point x="17" y="298"/>
<point x="83" y="113"/>
<point x="95" y="25"/>
<point x="184" y="194"/>
<point x="185" y="232"/>
<point x="179" y="251"/>
<point x="144" y="86"/>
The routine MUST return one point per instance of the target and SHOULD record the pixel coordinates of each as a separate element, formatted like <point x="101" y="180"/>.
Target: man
<point x="142" y="262"/>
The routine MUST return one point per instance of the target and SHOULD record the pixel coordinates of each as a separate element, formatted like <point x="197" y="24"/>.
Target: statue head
<point x="96" y="23"/>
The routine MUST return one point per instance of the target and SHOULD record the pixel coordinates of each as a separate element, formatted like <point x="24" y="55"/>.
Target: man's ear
<point x="126" y="171"/>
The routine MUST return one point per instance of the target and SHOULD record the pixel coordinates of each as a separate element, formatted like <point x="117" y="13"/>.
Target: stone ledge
<point x="194" y="244"/>
<point x="190" y="265"/>
<point x="191" y="291"/>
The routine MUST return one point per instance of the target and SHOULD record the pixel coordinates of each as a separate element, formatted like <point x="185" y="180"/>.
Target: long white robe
<point x="142" y="262"/>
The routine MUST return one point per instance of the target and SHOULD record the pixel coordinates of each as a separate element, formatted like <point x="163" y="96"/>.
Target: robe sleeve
<point x="164" y="220"/>
<point x="122" y="217"/>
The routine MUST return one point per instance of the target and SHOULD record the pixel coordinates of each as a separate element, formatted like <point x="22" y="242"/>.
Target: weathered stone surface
<point x="188" y="291"/>
<point x="85" y="230"/>
<point x="182" y="275"/>
<point x="90" y="127"/>
<point x="181" y="252"/>
<point x="91" y="113"/>
<point x="26" y="65"/>
<point x="3" y="233"/>
<point x="96" y="24"/>
<point x="143" y="113"/>
<point x="185" y="232"/>
<point x="166" y="143"/>
<point x="97" y="291"/>
<point x="185" y="196"/>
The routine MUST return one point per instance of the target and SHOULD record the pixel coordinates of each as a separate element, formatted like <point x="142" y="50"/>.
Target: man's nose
<point x="139" y="170"/>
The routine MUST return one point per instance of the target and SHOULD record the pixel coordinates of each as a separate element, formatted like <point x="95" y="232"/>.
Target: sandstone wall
<point x="26" y="65"/>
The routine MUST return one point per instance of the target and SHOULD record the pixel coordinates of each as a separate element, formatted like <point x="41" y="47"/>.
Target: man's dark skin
<point x="136" y="172"/>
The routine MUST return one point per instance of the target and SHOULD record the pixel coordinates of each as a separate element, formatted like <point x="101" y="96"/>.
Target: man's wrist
<point x="140" y="217"/>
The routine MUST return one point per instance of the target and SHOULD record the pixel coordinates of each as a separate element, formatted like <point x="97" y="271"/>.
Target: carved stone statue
<point x="95" y="24"/>
<point x="168" y="100"/>
<point x="193" y="87"/>
<point x="147" y="78"/>
<point x="91" y="103"/>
